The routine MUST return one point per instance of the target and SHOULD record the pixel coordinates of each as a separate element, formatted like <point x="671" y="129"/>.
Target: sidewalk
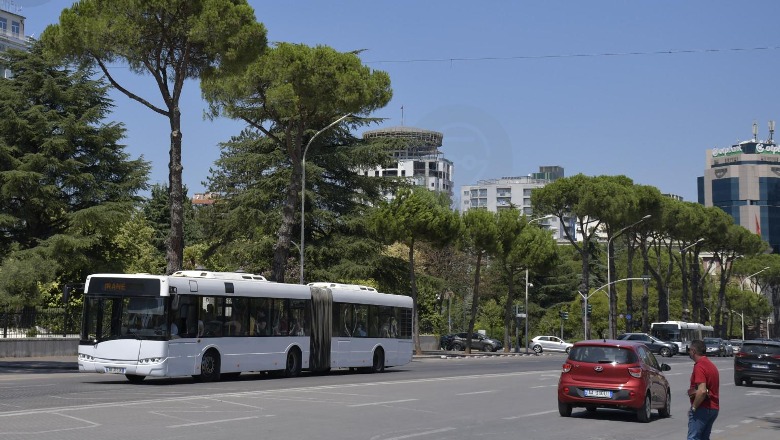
<point x="21" y="364"/>
<point x="70" y="363"/>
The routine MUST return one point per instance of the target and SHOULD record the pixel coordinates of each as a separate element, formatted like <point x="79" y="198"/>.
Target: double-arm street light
<point x="742" y="285"/>
<point x="609" y="271"/>
<point x="303" y="182"/>
<point x="586" y="297"/>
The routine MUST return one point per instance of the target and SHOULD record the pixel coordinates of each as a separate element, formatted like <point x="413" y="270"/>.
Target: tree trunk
<point x="175" y="242"/>
<point x="474" y="303"/>
<point x="508" y="318"/>
<point x="284" y="234"/>
<point x="415" y="314"/>
<point x="630" y="252"/>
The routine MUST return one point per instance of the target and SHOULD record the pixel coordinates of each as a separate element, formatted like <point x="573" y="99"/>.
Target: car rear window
<point x="601" y="354"/>
<point x="772" y="350"/>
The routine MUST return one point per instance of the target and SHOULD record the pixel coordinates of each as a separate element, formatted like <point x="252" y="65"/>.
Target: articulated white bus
<point x="213" y="325"/>
<point x="681" y="333"/>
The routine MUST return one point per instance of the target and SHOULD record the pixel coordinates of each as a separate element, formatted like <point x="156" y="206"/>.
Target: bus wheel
<point x="378" y="366"/>
<point x="292" y="367"/>
<point x="209" y="367"/>
<point x="134" y="378"/>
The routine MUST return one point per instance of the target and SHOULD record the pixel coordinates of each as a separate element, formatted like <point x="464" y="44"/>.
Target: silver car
<point x="549" y="343"/>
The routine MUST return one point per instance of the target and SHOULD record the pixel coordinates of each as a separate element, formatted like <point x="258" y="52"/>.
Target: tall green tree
<point x="521" y="246"/>
<point x="171" y="41"/>
<point x="66" y="184"/>
<point x="416" y="215"/>
<point x="289" y="95"/>
<point x="480" y="239"/>
<point x="579" y="198"/>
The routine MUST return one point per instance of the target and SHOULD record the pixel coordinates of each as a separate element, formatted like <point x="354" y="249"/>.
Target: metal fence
<point x="33" y="322"/>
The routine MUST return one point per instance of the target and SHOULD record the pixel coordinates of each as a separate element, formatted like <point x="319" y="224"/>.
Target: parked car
<point x="549" y="343"/>
<point x="457" y="342"/>
<point x="736" y="344"/>
<point x="618" y="374"/>
<point x="729" y="347"/>
<point x="758" y="359"/>
<point x="657" y="346"/>
<point x="715" y="347"/>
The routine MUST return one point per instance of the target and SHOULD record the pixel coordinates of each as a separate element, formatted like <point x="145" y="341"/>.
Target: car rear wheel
<point x="643" y="413"/>
<point x="457" y="347"/>
<point x="738" y="381"/>
<point x="665" y="352"/>
<point x="537" y="349"/>
<point x="564" y="409"/>
<point x="568" y="349"/>
<point x="488" y="347"/>
<point x="666" y="410"/>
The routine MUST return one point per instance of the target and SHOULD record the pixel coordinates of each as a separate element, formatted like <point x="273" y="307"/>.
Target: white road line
<point x="475" y="392"/>
<point x="419" y="434"/>
<point x="211" y="422"/>
<point x="381" y="403"/>
<point x="530" y="415"/>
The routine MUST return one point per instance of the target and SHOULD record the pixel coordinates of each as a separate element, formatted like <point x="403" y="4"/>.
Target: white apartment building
<point x="507" y="192"/>
<point x="11" y="32"/>
<point x="421" y="161"/>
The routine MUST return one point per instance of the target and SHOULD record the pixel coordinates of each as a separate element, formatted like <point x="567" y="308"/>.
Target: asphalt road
<point x="431" y="398"/>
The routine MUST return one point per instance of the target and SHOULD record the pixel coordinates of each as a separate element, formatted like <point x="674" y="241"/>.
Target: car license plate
<point x="114" y="370"/>
<point x="761" y="366"/>
<point x="604" y="394"/>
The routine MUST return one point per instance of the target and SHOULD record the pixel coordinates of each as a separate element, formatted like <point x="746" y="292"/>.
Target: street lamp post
<point x="742" y="317"/>
<point x="528" y="315"/>
<point x="609" y="270"/>
<point x="742" y="286"/>
<point x="303" y="182"/>
<point x="586" y="297"/>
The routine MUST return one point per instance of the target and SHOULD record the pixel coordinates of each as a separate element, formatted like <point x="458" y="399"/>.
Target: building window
<point x="15" y="28"/>
<point x="3" y="25"/>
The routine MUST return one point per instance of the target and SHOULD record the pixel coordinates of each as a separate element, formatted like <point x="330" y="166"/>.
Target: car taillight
<point x="740" y="354"/>
<point x="776" y="356"/>
<point x="566" y="367"/>
<point x="635" y="371"/>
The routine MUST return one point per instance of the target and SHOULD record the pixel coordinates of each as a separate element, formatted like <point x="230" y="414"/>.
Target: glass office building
<point x="744" y="181"/>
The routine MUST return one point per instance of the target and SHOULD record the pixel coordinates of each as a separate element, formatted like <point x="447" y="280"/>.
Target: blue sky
<point x="522" y="84"/>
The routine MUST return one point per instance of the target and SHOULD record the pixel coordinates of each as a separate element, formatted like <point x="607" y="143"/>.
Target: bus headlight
<point x="149" y="361"/>
<point x="86" y="357"/>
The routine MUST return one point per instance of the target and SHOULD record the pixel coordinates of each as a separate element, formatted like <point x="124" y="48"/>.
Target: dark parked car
<point x="715" y="347"/>
<point x="457" y="342"/>
<point x="614" y="374"/>
<point x="757" y="359"/>
<point x="657" y="346"/>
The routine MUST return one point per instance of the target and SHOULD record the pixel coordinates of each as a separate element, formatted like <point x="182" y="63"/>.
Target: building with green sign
<point x="744" y="181"/>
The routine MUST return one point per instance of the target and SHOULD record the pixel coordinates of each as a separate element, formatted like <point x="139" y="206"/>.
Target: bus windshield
<point x="667" y="332"/>
<point x="123" y="317"/>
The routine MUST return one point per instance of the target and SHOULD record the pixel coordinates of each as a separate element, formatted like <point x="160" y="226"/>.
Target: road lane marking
<point x="418" y="434"/>
<point x="475" y="392"/>
<point x="381" y="403"/>
<point x="530" y="415"/>
<point x="212" y="422"/>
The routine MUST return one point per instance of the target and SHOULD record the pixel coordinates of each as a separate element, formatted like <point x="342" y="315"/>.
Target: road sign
<point x="521" y="315"/>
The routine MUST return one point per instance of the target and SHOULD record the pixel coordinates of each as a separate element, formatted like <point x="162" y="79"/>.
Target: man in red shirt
<point x="704" y="393"/>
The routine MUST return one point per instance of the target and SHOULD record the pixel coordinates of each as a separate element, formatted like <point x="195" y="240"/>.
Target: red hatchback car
<point x="614" y="374"/>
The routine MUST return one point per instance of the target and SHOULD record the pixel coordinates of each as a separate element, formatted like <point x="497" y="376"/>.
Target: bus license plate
<point x="604" y="394"/>
<point x="114" y="370"/>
